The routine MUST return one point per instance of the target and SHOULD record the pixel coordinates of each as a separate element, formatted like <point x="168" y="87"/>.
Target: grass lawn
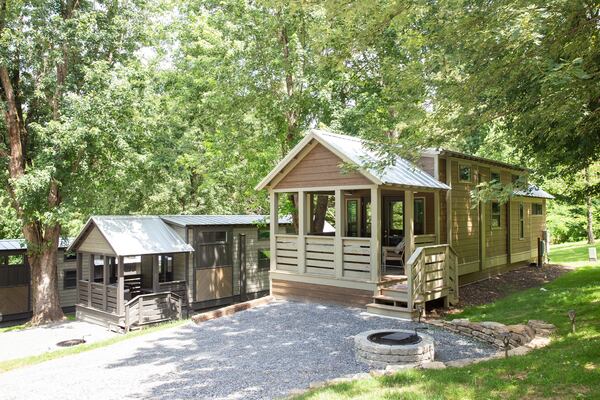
<point x="25" y="325"/>
<point x="568" y="368"/>
<point x="575" y="254"/>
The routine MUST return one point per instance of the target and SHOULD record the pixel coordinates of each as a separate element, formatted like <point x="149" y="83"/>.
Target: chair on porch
<point x="393" y="257"/>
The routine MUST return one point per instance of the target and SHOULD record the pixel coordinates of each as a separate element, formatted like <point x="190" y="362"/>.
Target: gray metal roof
<point x="533" y="191"/>
<point x="191" y="220"/>
<point x="20" y="244"/>
<point x="136" y="235"/>
<point x="402" y="172"/>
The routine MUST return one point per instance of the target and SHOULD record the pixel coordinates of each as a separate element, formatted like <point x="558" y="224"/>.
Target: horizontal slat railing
<point x="83" y="293"/>
<point x="357" y="258"/>
<point x="320" y="255"/>
<point x="152" y="308"/>
<point x="425" y="240"/>
<point x="286" y="252"/>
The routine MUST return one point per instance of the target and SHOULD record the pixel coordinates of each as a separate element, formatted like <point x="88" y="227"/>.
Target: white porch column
<point x="338" y="245"/>
<point x="436" y="215"/>
<point x="120" y="285"/>
<point x="409" y="223"/>
<point x="449" y="202"/>
<point x="274" y="227"/>
<point x="301" y="232"/>
<point x="375" y="234"/>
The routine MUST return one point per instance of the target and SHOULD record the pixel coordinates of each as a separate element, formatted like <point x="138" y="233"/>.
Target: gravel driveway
<point x="260" y="353"/>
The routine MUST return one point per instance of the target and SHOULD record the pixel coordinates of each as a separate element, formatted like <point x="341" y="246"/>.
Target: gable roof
<point x="355" y="151"/>
<point x="135" y="235"/>
<point x="20" y="244"/>
<point x="533" y="191"/>
<point x="193" y="220"/>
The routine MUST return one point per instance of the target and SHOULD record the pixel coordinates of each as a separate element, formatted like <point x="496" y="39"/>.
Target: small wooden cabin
<point x="15" y="279"/>
<point x="137" y="270"/>
<point x="403" y="235"/>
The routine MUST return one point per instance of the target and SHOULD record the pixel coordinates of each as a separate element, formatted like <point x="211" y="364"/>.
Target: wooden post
<point x="155" y="271"/>
<point x="375" y="234"/>
<point x="105" y="270"/>
<point x="449" y="201"/>
<point x="301" y="232"/>
<point x="79" y="275"/>
<point x="436" y="215"/>
<point x="120" y="285"/>
<point x="242" y="261"/>
<point x="338" y="244"/>
<point x="274" y="227"/>
<point x="91" y="277"/>
<point x="409" y="223"/>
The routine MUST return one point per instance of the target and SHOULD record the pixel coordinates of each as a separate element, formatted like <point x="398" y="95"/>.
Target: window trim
<point x="499" y="226"/>
<point x="533" y="209"/>
<point x="470" y="167"/>
<point x="495" y="172"/>
<point x="521" y="221"/>
<point x="358" y="215"/>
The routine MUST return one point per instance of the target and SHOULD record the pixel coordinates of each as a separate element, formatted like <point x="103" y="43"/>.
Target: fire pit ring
<point x="381" y="348"/>
<point x="70" y="342"/>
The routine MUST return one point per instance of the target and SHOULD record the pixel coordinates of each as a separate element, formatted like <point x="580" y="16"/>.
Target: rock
<point x="541" y="327"/>
<point x="492" y="325"/>
<point x="433" y="365"/>
<point x="398" y="368"/>
<point x="376" y="373"/>
<point x="519" y="351"/>
<point x="460" y="321"/>
<point x="523" y="330"/>
<point x="538" y="342"/>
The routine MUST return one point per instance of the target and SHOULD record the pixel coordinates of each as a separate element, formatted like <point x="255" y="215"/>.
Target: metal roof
<point x="191" y="220"/>
<point x="401" y="172"/>
<point x="136" y="235"/>
<point x="533" y="191"/>
<point x="20" y="244"/>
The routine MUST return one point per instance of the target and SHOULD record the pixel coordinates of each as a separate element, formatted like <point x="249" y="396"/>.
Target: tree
<point x="58" y="132"/>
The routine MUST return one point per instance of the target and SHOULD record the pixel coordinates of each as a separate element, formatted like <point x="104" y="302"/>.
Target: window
<point x="352" y="217"/>
<point x="165" y="271"/>
<point x="264" y="259"/>
<point x="464" y="173"/>
<point x="264" y="234"/>
<point x="496" y="219"/>
<point x="69" y="279"/>
<point x="70" y="256"/>
<point x="521" y="221"/>
<point x="419" y="216"/>
<point x="220" y="237"/>
<point x="366" y="218"/>
<point x="495" y="177"/>
<point x="537" y="209"/>
<point x="514" y="178"/>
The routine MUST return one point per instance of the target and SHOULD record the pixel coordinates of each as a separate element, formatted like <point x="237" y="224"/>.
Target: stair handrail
<point x="413" y="272"/>
<point x="173" y="298"/>
<point x="452" y="265"/>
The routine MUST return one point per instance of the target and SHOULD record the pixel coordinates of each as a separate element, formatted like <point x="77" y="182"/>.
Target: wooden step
<point x="398" y="295"/>
<point x="390" y="279"/>
<point x="389" y="300"/>
<point x="391" y="311"/>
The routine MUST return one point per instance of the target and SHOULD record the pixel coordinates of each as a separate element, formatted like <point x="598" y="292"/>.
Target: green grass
<point x="25" y="325"/>
<point x="31" y="360"/>
<point x="572" y="253"/>
<point x="568" y="368"/>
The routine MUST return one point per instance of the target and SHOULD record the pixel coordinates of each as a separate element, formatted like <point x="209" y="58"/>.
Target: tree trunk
<point x="320" y="213"/>
<point x="590" y="215"/>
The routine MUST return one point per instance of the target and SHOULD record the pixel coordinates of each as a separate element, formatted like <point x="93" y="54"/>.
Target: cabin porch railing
<point x="432" y="273"/>
<point x="357" y="258"/>
<point x="152" y="308"/>
<point x="97" y="295"/>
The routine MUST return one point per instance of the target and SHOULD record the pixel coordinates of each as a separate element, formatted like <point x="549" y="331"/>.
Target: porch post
<point x="79" y="274"/>
<point x="155" y="279"/>
<point x="104" y="281"/>
<point x="449" y="202"/>
<point x="90" y="278"/>
<point x="120" y="286"/>
<point x="375" y="234"/>
<point x="274" y="227"/>
<point x="338" y="244"/>
<point x="301" y="232"/>
<point x="409" y="226"/>
<point x="436" y="215"/>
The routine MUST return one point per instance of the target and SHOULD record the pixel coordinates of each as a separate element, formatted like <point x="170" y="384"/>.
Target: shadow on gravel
<point x="268" y="351"/>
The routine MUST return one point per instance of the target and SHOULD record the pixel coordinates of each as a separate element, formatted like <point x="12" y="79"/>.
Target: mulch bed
<point x="499" y="286"/>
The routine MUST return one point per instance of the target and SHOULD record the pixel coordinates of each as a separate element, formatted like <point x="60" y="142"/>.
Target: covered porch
<point x="128" y="274"/>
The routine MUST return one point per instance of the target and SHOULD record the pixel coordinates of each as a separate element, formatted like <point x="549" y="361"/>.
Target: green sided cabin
<point x="15" y="279"/>
<point x="403" y="236"/>
<point x="138" y="270"/>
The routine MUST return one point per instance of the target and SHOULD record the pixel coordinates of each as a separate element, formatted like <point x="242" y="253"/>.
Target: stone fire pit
<point x="381" y="348"/>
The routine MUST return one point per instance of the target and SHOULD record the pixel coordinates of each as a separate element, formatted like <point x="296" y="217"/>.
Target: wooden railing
<point x="320" y="254"/>
<point x="357" y="258"/>
<point x="103" y="298"/>
<point x="83" y="293"/>
<point x="152" y="308"/>
<point x="287" y="252"/>
<point x="176" y="287"/>
<point x="432" y="273"/>
<point x="425" y="240"/>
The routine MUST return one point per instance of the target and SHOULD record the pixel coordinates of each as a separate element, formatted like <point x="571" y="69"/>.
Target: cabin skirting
<point x="489" y="272"/>
<point x="301" y="291"/>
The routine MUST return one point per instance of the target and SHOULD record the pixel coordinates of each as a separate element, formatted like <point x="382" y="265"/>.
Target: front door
<point x="393" y="221"/>
<point x="213" y="263"/>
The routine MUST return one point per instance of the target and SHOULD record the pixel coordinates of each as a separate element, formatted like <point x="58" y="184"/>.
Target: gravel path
<point x="260" y="353"/>
<point x="38" y="340"/>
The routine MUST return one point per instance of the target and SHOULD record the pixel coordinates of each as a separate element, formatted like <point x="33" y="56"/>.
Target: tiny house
<point x="15" y="279"/>
<point x="137" y="270"/>
<point x="403" y="235"/>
